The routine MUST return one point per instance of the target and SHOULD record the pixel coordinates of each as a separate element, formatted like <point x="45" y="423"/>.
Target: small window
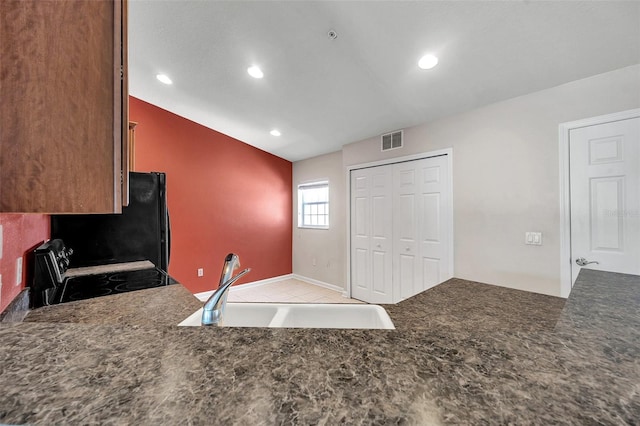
<point x="313" y="205"/>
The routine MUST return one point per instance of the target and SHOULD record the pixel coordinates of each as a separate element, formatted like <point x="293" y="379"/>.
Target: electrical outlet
<point x="201" y="272"/>
<point x="19" y="271"/>
<point x="533" y="238"/>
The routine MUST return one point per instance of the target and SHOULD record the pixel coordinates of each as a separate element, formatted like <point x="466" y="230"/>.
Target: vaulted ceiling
<point x="322" y="92"/>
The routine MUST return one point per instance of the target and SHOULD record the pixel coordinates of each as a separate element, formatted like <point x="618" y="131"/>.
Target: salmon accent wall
<point x="224" y="196"/>
<point x="21" y="234"/>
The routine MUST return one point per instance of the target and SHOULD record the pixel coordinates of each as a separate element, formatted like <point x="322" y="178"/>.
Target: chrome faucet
<point x="214" y="307"/>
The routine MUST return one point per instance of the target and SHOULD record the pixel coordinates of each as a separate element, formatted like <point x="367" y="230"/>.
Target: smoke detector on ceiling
<point x="391" y="140"/>
<point x="332" y="35"/>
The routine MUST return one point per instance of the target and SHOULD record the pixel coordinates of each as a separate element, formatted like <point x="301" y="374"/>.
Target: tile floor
<point x="288" y="291"/>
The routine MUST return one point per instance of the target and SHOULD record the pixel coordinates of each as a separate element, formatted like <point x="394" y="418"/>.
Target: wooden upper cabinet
<point x="64" y="109"/>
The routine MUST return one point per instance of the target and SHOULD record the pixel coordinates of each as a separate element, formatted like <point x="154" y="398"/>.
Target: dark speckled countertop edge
<point x="123" y="360"/>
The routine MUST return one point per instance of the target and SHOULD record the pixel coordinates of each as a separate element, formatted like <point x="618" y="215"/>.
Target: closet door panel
<point x="379" y="274"/>
<point x="430" y="273"/>
<point x="434" y="224"/>
<point x="371" y="208"/>
<point x="431" y="218"/>
<point x="381" y="234"/>
<point x="406" y="276"/>
<point x="360" y="272"/>
<point x="406" y="222"/>
<point x="360" y="230"/>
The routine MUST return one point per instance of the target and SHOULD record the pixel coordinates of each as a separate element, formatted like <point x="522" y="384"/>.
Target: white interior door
<point x="371" y="216"/>
<point x="605" y="197"/>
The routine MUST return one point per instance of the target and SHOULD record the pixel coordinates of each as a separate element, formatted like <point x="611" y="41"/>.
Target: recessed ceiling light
<point x="427" y="62"/>
<point x="163" y="78"/>
<point x="255" y="72"/>
<point x="275" y="132"/>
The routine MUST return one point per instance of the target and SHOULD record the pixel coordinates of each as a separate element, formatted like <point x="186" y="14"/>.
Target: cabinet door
<point x="63" y="110"/>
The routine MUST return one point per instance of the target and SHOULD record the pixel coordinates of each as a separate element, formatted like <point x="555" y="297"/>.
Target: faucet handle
<point x="232" y="259"/>
<point x="231" y="263"/>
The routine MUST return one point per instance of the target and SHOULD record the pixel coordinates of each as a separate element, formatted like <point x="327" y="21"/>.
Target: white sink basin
<point x="299" y="315"/>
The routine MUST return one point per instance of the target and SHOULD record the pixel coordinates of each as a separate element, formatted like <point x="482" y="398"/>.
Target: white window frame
<point x="310" y="185"/>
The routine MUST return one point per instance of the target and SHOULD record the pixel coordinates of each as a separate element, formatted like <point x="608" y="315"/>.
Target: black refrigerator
<point x="141" y="232"/>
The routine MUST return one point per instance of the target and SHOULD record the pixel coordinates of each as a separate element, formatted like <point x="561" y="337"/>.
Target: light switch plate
<point x="533" y="238"/>
<point x="1" y="242"/>
<point x="19" y="271"/>
<point x="201" y="272"/>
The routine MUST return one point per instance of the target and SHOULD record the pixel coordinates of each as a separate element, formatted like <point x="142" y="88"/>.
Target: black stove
<point x="88" y="286"/>
<point x="54" y="283"/>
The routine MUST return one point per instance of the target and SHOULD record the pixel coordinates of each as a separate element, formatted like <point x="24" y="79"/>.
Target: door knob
<point x="581" y="261"/>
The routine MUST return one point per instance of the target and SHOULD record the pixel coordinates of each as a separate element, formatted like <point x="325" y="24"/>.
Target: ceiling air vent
<point x="392" y="140"/>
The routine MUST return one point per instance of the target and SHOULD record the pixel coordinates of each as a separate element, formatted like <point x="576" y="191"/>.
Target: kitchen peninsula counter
<point x="462" y="353"/>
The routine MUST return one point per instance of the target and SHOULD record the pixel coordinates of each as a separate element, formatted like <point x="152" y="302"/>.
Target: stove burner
<point x="88" y="293"/>
<point x="140" y="275"/>
<point x="90" y="280"/>
<point x="138" y="285"/>
<point x="89" y="286"/>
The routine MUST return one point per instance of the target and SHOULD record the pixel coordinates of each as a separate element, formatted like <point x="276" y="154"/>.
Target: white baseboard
<point x="319" y="283"/>
<point x="205" y="295"/>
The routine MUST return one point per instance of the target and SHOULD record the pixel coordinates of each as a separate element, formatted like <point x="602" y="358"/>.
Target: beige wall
<point x="505" y="179"/>
<point x="325" y="246"/>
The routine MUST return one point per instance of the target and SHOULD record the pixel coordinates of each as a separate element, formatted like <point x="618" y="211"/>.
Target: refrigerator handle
<point x="168" y="240"/>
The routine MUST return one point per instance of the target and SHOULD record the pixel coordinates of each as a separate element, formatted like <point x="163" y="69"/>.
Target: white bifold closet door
<point x="371" y="234"/>
<point x="400" y="230"/>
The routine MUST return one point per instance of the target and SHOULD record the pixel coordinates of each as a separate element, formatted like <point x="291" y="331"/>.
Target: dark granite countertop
<point x="151" y="308"/>
<point x="463" y="353"/>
